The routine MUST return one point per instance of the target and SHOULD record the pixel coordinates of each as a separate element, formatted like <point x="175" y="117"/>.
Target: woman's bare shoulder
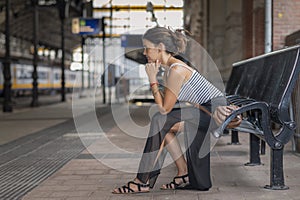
<point x="180" y="65"/>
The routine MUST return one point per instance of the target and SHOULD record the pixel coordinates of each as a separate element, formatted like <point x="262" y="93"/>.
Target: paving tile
<point x="87" y="178"/>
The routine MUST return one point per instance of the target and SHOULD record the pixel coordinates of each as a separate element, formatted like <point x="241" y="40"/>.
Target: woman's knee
<point x="163" y="124"/>
<point x="159" y="118"/>
<point x="177" y="128"/>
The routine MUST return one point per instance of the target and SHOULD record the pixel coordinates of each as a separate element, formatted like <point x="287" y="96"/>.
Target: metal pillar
<point x="84" y="14"/>
<point x="88" y="49"/>
<point x="89" y="72"/>
<point x="82" y="61"/>
<point x="7" y="107"/>
<point x="63" y="89"/>
<point x="34" y="102"/>
<point x="268" y="26"/>
<point x="103" y="59"/>
<point x="62" y="14"/>
<point x="63" y="82"/>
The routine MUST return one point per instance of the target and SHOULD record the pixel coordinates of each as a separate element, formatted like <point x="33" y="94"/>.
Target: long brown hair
<point x="174" y="41"/>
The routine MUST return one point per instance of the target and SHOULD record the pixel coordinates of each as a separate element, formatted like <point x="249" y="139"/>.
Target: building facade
<point x="232" y="30"/>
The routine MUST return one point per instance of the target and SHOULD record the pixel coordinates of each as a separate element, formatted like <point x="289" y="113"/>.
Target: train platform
<point x="55" y="152"/>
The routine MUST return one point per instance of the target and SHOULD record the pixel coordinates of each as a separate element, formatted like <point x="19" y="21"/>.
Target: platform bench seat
<point x="262" y="87"/>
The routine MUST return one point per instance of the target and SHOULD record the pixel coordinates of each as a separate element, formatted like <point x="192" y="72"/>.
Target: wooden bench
<point x="262" y="88"/>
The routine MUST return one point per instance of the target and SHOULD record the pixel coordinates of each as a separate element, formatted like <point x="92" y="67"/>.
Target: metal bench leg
<point x="276" y="176"/>
<point x="234" y="138"/>
<point x="254" y="151"/>
<point x="226" y="132"/>
<point x="262" y="147"/>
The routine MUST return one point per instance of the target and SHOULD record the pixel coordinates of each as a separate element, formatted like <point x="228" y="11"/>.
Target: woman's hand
<point x="222" y="112"/>
<point x="152" y="70"/>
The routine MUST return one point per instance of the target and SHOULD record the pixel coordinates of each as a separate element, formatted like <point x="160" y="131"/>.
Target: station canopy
<point x="49" y="23"/>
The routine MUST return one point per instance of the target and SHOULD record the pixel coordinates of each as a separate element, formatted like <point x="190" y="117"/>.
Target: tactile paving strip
<point x="23" y="173"/>
<point x="26" y="162"/>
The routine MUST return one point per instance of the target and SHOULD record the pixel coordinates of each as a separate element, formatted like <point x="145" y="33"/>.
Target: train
<point x="49" y="79"/>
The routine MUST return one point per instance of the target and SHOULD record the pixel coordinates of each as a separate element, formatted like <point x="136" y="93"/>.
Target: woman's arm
<point x="173" y="84"/>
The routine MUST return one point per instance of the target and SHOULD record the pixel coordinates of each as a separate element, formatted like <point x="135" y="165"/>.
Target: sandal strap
<point x="125" y="189"/>
<point x="181" y="177"/>
<point x="175" y="185"/>
<point x="139" y="185"/>
<point x="172" y="185"/>
<point x="143" y="185"/>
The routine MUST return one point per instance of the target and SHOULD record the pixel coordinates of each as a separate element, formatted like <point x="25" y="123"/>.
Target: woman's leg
<point x="153" y="157"/>
<point x="172" y="145"/>
<point x="154" y="153"/>
<point x="174" y="148"/>
<point x="198" y="153"/>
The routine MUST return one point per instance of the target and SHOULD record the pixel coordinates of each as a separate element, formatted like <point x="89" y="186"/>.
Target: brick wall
<point x="286" y="20"/>
<point x="259" y="27"/>
<point x="247" y="21"/>
<point x="232" y="30"/>
<point x="253" y="25"/>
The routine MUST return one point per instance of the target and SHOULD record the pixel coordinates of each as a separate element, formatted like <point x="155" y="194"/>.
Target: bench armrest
<point x="272" y="141"/>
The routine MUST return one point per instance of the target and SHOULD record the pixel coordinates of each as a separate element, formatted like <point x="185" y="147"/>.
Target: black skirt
<point x="197" y="141"/>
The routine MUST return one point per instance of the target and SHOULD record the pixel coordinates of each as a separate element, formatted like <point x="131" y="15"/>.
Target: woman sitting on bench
<point x="183" y="84"/>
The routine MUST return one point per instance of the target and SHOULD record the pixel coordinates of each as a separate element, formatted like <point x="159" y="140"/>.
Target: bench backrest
<point x="269" y="78"/>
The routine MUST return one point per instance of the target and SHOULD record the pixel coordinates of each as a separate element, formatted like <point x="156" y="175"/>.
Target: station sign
<point x="86" y="26"/>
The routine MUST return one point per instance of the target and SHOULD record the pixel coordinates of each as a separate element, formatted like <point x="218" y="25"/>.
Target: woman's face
<point x="150" y="51"/>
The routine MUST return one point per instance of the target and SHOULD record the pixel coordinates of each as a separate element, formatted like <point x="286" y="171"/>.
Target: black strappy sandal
<point x="126" y="189"/>
<point x="174" y="186"/>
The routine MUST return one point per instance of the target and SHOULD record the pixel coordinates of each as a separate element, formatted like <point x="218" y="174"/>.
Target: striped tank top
<point x="197" y="89"/>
